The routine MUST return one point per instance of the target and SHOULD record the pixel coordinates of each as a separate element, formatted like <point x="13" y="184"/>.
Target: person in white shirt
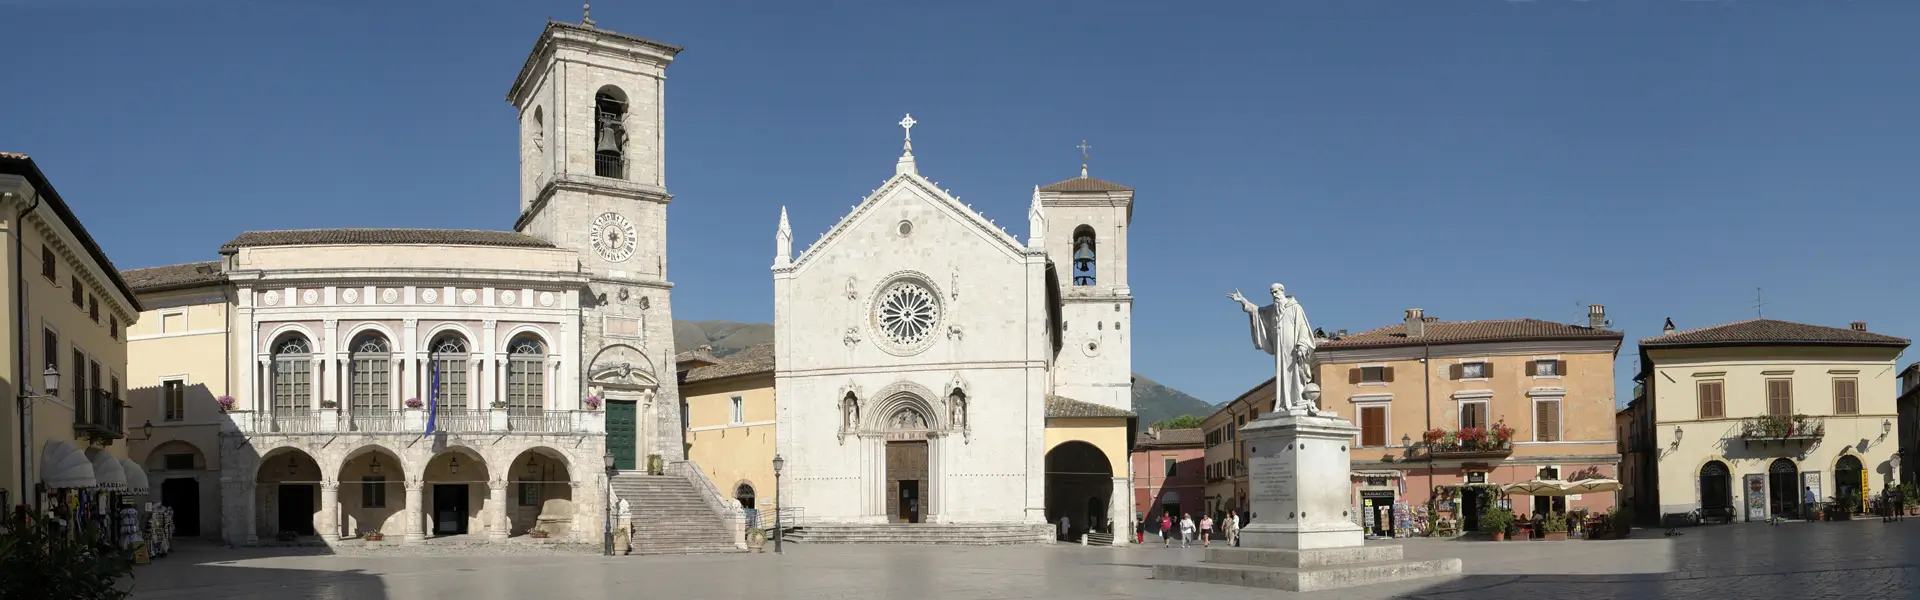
<point x="1186" y="530"/>
<point x="1233" y="528"/>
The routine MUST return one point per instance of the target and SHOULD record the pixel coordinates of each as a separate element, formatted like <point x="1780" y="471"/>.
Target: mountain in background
<point x="1153" y="401"/>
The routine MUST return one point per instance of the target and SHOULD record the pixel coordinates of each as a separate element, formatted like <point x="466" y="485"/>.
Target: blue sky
<point x="1476" y="158"/>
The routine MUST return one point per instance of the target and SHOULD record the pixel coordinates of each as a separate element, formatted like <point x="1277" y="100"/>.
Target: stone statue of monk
<point x="1281" y="329"/>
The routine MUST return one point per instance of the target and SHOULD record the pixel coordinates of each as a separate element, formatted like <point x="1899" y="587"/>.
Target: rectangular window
<point x="79" y="376"/>
<point x="93" y="373"/>
<point x="93" y="308"/>
<point x="1846" y="397"/>
<point x="1371" y="375"/>
<point x="739" y="411"/>
<point x="1713" y="401"/>
<point x="453" y="382"/>
<point x="1373" y="426"/>
<point x="1780" y="397"/>
<point x="173" y="322"/>
<point x="1546" y="421"/>
<point x="529" y="493"/>
<point x="113" y="327"/>
<point x="178" y="462"/>
<point x="1170" y="466"/>
<point x="174" y="395"/>
<point x="1473" y="414"/>
<point x="1546" y="367"/>
<point x="79" y="292"/>
<point x="371" y="391"/>
<point x="373" y="491"/>
<point x="526" y="384"/>
<point x="46" y="263"/>
<point x="50" y="346"/>
<point x="1475" y="370"/>
<point x="291" y="378"/>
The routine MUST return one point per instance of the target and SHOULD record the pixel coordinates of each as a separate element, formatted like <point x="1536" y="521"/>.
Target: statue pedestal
<point x="1301" y="535"/>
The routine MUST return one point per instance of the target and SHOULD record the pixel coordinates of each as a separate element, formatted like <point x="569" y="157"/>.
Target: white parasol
<point x="1591" y="486"/>
<point x="1537" y="487"/>
<point x="63" y="466"/>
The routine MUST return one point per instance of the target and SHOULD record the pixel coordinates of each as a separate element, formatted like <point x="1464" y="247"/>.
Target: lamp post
<point x="778" y="464"/>
<point x="606" y="500"/>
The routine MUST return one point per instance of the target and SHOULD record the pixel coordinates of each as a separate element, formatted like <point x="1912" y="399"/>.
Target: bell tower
<point x="593" y="180"/>
<point x="1086" y="222"/>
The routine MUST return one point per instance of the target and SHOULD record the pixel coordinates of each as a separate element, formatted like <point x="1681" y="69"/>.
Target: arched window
<point x="450" y="367"/>
<point x="610" y="133"/>
<point x="537" y="135"/>
<point x="292" y="375"/>
<point x="370" y="382"/>
<point x="526" y="381"/>
<point x="744" y="495"/>
<point x="1083" y="256"/>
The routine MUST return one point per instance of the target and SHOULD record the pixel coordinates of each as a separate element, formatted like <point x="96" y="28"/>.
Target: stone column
<point x="415" y="513"/>
<point x="329" y="524"/>
<point x="249" y="490"/>
<point x="500" y="524"/>
<point x="315" y="380"/>
<point x="1120" y="511"/>
<point x="582" y="529"/>
<point x="394" y="388"/>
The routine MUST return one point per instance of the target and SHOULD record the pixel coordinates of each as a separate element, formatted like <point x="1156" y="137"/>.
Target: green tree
<point x="42" y="559"/>
<point x="1180" y="422"/>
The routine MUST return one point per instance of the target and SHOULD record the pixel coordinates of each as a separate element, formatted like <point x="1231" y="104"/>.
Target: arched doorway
<point x="1784" y="489"/>
<point x="288" y="494"/>
<point x="1849" y="482"/>
<point x="907" y="473"/>
<point x="743" y="494"/>
<point x="542" y="493"/>
<point x="456" y="492"/>
<point x="372" y="496"/>
<point x="1079" y="488"/>
<point x="1716" y="489"/>
<point x="177" y="467"/>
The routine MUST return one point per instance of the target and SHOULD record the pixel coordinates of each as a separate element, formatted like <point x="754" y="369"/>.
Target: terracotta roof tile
<point x="1064" y="407"/>
<point x="1172" y="438"/>
<point x="369" y="236"/>
<point x="153" y="279"/>
<point x="1085" y="184"/>
<point x="757" y="358"/>
<point x="1462" y="332"/>
<point x="1770" y="332"/>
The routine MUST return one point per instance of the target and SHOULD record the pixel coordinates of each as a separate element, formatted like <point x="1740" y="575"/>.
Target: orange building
<point x="1451" y="410"/>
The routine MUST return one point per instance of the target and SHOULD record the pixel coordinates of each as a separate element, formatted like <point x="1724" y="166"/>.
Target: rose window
<point x="907" y="313"/>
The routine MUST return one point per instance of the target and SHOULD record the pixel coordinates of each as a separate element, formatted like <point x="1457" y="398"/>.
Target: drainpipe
<point x="1426" y="382"/>
<point x="22" y="363"/>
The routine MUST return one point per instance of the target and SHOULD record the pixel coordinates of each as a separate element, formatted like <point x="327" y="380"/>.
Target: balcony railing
<point x="1782" y="428"/>
<point x="1470" y="442"/>
<point x="414" y="421"/>
<point x="539" y="421"/>
<point x="372" y="420"/>
<point x="460" y="420"/>
<point x="100" y="415"/>
<point x="610" y="165"/>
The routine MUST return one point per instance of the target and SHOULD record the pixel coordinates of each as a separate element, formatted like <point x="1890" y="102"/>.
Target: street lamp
<point x="50" y="380"/>
<point x="778" y="464"/>
<point x="606" y="499"/>
<point x="1677" y="433"/>
<point x="1886" y="427"/>
<point x="1406" y="441"/>
<point x="146" y="432"/>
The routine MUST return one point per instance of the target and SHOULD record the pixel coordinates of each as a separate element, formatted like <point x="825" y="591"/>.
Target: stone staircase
<point x="669" y="516"/>
<point x="922" y="533"/>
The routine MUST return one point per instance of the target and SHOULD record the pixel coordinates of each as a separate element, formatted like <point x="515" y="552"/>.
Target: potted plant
<point x="373" y="535"/>
<point x="1496" y="522"/>
<point x="226" y="403"/>
<point x="499" y="404"/>
<point x="1910" y="497"/>
<point x="538" y="533"/>
<point x="329" y="403"/>
<point x="1433" y="436"/>
<point x="591" y="402"/>
<point x="1620" y="521"/>
<point x="1555" y="526"/>
<point x="756" y="538"/>
<point x="414" y="403"/>
<point x="656" y="466"/>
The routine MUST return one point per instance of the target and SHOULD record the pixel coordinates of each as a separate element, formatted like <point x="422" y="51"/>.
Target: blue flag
<point x="433" y="401"/>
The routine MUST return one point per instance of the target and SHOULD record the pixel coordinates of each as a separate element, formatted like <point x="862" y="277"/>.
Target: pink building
<point x="1168" y="474"/>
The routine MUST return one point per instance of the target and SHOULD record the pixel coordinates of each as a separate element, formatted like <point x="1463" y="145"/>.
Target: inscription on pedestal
<point x="1273" y="476"/>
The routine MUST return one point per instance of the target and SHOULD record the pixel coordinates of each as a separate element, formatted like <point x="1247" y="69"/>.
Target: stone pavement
<point x="1861" y="560"/>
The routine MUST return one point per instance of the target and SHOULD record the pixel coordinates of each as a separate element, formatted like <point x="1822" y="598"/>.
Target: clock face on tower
<point x="613" y="237"/>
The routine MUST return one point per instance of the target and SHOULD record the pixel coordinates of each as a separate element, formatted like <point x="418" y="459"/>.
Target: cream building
<point x="976" y="379"/>
<point x="67" y="310"/>
<point x="1743" y="418"/>
<point x="293" y="382"/>
<point x="729" y="406"/>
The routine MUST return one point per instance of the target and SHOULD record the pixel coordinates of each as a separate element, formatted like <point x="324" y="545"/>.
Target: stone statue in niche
<point x="957" y="409"/>
<point x="849" y="413"/>
<point x="1281" y="329"/>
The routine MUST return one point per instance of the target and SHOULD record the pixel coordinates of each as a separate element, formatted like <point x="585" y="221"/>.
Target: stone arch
<point x="1849" y="475"/>
<point x="155" y="460"/>
<point x="745" y="494"/>
<point x="506" y="337"/>
<point x="287" y="482"/>
<point x="898" y="396"/>
<point x="622" y="365"/>
<point x="1716" y="486"/>
<point x="282" y="330"/>
<point x="427" y="337"/>
<point x="382" y="328"/>
<point x="372" y="493"/>
<point x="540" y="491"/>
<point x="456" y="493"/>
<point x="1784" y="487"/>
<point x="1079" y="487"/>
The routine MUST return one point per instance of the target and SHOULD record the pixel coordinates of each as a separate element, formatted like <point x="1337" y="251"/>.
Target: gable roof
<point x="1171" y="438"/>
<point x="1084" y="184"/>
<point x="1463" y="332"/>
<point x="170" y="277"/>
<point x="962" y="212"/>
<point x="15" y="163"/>
<point x="754" y="359"/>
<point x="1771" y="332"/>
<point x="1068" y="408"/>
<point x="378" y="236"/>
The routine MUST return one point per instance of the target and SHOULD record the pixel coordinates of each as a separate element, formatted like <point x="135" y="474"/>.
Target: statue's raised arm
<point x="1244" y="304"/>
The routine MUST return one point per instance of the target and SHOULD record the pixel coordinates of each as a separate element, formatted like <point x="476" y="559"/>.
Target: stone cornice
<point x="588" y="38"/>
<point x="355" y="277"/>
<point x="1470" y="350"/>
<point x="965" y="213"/>
<point x="600" y="186"/>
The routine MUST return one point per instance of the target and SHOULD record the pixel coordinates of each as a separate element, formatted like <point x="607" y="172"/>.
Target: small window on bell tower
<point x="610" y="133"/>
<point x="1083" y="256"/>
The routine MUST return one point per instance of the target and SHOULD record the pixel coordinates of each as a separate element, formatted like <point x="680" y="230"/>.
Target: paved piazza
<point x="1862" y="560"/>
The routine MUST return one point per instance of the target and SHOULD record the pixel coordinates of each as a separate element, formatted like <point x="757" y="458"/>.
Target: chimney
<point x="1668" y="328"/>
<point x="1859" y="325"/>
<point x="1597" y="316"/>
<point x="1416" y="323"/>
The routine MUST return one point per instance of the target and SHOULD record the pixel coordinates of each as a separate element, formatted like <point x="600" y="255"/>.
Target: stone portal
<point x="906" y="481"/>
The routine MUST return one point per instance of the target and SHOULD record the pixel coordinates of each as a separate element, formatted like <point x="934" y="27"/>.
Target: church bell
<point x="1083" y="253"/>
<point x="609" y="139"/>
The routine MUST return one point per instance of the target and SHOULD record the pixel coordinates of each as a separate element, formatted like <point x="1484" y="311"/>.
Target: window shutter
<point x="1541" y="433"/>
<point x="1533" y="368"/>
<point x="1387" y="374"/>
<point x="1560" y="367"/>
<point x="1553" y="416"/>
<point x="1486" y="368"/>
<point x="1456" y="370"/>
<point x="1353" y="376"/>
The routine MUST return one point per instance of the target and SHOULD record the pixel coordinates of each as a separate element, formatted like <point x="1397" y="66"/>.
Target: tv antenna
<point x="1759" y="303"/>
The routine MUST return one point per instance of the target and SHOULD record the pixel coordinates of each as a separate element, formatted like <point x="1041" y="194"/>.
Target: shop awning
<point x="1537" y="487"/>
<point x="107" y="472"/>
<point x="136" y="476"/>
<point x="64" y="466"/>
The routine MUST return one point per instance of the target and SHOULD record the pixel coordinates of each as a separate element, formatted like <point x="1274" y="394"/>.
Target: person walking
<point x="1806" y="507"/>
<point x="1186" y="530"/>
<point x="1206" y="531"/>
<point x="1166" y="530"/>
<point x="1233" y="528"/>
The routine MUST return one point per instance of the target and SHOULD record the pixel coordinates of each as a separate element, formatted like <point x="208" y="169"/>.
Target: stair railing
<point x="731" y="515"/>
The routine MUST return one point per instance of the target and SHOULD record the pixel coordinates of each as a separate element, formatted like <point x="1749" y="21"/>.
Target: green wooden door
<point x="622" y="418"/>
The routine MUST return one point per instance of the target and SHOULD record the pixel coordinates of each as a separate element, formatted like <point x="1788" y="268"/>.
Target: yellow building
<point x="729" y="411"/>
<point x="1226" y="454"/>
<point x="67" y="310"/>
<point x="180" y="367"/>
<point x="1745" y="419"/>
